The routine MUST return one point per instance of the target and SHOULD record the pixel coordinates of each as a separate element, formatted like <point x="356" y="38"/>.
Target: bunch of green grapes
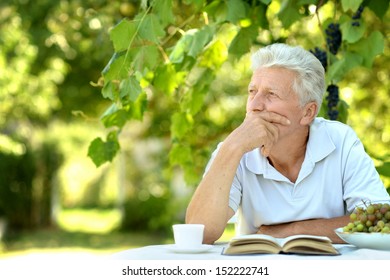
<point x="371" y="217"/>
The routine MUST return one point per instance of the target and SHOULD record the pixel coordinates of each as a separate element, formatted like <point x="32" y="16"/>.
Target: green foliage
<point x="175" y="57"/>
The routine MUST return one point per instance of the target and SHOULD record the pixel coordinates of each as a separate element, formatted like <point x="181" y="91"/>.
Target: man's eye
<point x="272" y="93"/>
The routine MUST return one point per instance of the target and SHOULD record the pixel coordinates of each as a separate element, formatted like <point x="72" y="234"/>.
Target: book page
<point x="255" y="238"/>
<point x="283" y="241"/>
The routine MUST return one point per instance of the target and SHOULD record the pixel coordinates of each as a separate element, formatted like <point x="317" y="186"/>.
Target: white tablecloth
<point x="163" y="252"/>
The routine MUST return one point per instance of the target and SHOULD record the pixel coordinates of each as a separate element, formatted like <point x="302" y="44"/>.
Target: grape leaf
<point x="129" y="89"/>
<point x="217" y="10"/>
<point x="101" y="152"/>
<point x="243" y="41"/>
<point x="182" y="47"/>
<point x="150" y="28"/>
<point x="114" y="116"/>
<point x="340" y="68"/>
<point x="198" y="3"/>
<point x="259" y="16"/>
<point x="139" y="107"/>
<point x="110" y="91"/>
<point x="379" y="7"/>
<point x="214" y="56"/>
<point x="167" y="79"/>
<point x="181" y="124"/>
<point x="351" y="5"/>
<point x="199" y="39"/>
<point x="118" y="67"/>
<point x="351" y="33"/>
<point x="180" y="154"/>
<point x="289" y="13"/>
<point x="235" y="11"/>
<point x="123" y="35"/>
<point x="163" y="9"/>
<point x="369" y="47"/>
<point x="146" y="57"/>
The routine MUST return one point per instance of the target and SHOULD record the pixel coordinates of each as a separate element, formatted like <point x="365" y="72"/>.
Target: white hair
<point x="310" y="80"/>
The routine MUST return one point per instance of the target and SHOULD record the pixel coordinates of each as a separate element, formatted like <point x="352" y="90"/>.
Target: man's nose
<point x="257" y="103"/>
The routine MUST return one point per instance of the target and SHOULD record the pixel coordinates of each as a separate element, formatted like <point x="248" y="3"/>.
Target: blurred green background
<point x="52" y="196"/>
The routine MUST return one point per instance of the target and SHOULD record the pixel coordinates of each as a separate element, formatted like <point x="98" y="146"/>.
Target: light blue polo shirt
<point x="336" y="175"/>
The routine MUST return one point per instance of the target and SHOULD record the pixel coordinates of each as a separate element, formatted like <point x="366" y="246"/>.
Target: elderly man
<point x="284" y="170"/>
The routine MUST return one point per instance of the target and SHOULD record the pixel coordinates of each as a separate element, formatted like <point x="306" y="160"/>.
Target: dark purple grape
<point x="333" y="100"/>
<point x="321" y="56"/>
<point x="333" y="37"/>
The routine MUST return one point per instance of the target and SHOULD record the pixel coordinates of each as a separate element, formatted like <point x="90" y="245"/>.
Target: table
<point x="163" y="252"/>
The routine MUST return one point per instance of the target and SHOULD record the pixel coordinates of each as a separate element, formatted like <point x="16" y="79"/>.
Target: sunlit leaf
<point x="129" y="89"/>
<point x="182" y="47"/>
<point x="180" y="154"/>
<point x="110" y="91"/>
<point x="118" y="67"/>
<point x="214" y="56"/>
<point x="167" y="79"/>
<point x="200" y="39"/>
<point x="139" y="107"/>
<point x="181" y="124"/>
<point x="351" y="5"/>
<point x="103" y="151"/>
<point x="124" y="34"/>
<point x="115" y="116"/>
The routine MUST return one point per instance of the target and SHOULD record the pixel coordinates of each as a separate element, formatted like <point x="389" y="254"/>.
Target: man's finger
<point x="272" y="117"/>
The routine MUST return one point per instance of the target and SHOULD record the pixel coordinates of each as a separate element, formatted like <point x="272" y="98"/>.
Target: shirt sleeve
<point x="361" y="181"/>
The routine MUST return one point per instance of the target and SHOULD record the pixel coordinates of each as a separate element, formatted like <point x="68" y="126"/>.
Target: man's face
<point x="271" y="90"/>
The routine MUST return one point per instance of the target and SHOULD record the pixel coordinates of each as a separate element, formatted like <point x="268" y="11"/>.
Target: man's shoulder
<point x="331" y="126"/>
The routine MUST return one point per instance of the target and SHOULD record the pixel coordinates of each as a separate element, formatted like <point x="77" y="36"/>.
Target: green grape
<point x="370" y="209"/>
<point x="372" y="217"/>
<point x="359" y="227"/>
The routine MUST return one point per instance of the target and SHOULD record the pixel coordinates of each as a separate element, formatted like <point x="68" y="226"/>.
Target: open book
<point x="266" y="244"/>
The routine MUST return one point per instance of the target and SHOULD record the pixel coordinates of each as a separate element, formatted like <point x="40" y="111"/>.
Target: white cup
<point x="188" y="235"/>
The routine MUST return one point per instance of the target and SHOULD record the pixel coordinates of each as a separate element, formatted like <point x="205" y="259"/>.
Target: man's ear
<point x="309" y="113"/>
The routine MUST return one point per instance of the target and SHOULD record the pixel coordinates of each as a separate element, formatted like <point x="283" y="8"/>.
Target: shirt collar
<point x="319" y="146"/>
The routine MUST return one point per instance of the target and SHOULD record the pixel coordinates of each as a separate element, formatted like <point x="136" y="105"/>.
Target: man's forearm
<point x="210" y="202"/>
<point x="323" y="227"/>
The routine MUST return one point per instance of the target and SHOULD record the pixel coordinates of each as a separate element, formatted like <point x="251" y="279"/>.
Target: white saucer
<point x="201" y="249"/>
